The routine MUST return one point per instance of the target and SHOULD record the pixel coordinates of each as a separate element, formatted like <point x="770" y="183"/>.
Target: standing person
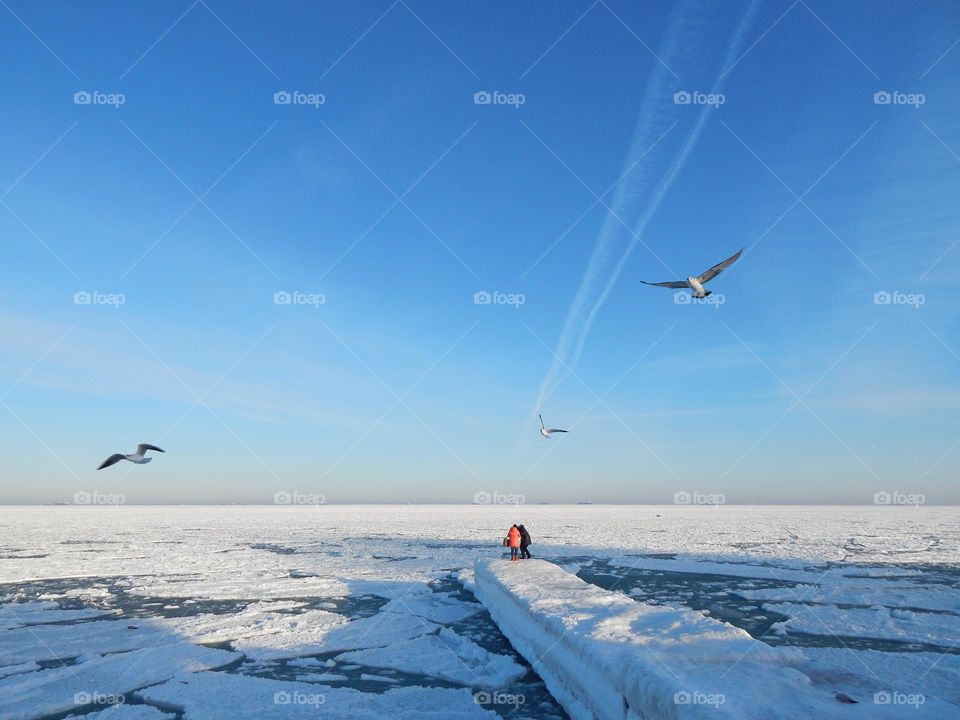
<point x="524" y="543"/>
<point x="513" y="540"/>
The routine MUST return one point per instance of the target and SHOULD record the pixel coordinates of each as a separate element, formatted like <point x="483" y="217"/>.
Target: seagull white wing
<point x="553" y="430"/>
<point x="143" y="447"/>
<point x="720" y="267"/>
<point x="112" y="460"/>
<point x="542" y="426"/>
<point x="670" y="284"/>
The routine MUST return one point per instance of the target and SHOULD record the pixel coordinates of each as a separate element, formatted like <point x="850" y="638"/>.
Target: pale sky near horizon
<point x="161" y="201"/>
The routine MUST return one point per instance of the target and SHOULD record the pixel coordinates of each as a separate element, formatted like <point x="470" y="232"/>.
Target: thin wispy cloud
<point x="609" y="256"/>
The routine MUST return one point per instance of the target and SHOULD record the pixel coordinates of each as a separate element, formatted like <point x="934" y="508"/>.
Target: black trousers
<point x="525" y="552"/>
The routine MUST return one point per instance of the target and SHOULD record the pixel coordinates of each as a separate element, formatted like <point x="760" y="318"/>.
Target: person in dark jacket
<point x="524" y="543"/>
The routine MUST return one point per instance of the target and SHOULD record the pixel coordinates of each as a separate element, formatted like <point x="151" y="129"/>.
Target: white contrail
<point x="651" y="125"/>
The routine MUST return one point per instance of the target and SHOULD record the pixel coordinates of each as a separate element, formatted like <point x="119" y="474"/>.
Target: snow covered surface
<point x="607" y="657"/>
<point x="183" y="603"/>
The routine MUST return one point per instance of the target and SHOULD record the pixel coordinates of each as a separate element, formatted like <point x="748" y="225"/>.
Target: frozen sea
<point x="192" y="612"/>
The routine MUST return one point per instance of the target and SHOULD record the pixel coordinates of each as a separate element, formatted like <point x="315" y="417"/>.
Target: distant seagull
<point x="544" y="431"/>
<point x="137" y="457"/>
<point x="696" y="283"/>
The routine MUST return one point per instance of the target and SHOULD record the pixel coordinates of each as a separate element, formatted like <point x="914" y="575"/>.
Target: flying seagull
<point x="696" y="283"/>
<point x="136" y="457"/>
<point x="544" y="431"/>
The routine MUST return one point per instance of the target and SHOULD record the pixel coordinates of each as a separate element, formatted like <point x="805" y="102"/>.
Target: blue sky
<point x="198" y="199"/>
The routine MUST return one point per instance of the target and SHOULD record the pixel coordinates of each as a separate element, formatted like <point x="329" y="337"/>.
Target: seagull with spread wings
<point x="137" y="457"/>
<point x="696" y="283"/>
<point x="547" y="432"/>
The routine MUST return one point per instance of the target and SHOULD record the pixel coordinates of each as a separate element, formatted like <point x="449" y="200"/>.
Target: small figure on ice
<point x="512" y="540"/>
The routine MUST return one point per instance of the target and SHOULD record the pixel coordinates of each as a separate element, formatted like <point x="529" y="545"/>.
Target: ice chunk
<point x="256" y="620"/>
<point x="871" y="677"/>
<point x="445" y="655"/>
<point x="438" y="607"/>
<point x="102" y="679"/>
<point x="14" y="615"/>
<point x="378" y="678"/>
<point x="322" y="678"/>
<point x="129" y="712"/>
<point x="318" y="631"/>
<point x="877" y="622"/>
<point x="57" y="642"/>
<point x="25" y="667"/>
<point x="224" y="696"/>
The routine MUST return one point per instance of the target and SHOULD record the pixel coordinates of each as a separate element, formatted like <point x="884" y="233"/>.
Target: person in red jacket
<point x="513" y="540"/>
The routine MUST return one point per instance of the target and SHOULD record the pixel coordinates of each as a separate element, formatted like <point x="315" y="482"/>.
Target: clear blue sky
<point x="398" y="198"/>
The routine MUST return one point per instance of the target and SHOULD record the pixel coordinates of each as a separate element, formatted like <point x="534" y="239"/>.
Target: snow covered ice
<point x="187" y="613"/>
